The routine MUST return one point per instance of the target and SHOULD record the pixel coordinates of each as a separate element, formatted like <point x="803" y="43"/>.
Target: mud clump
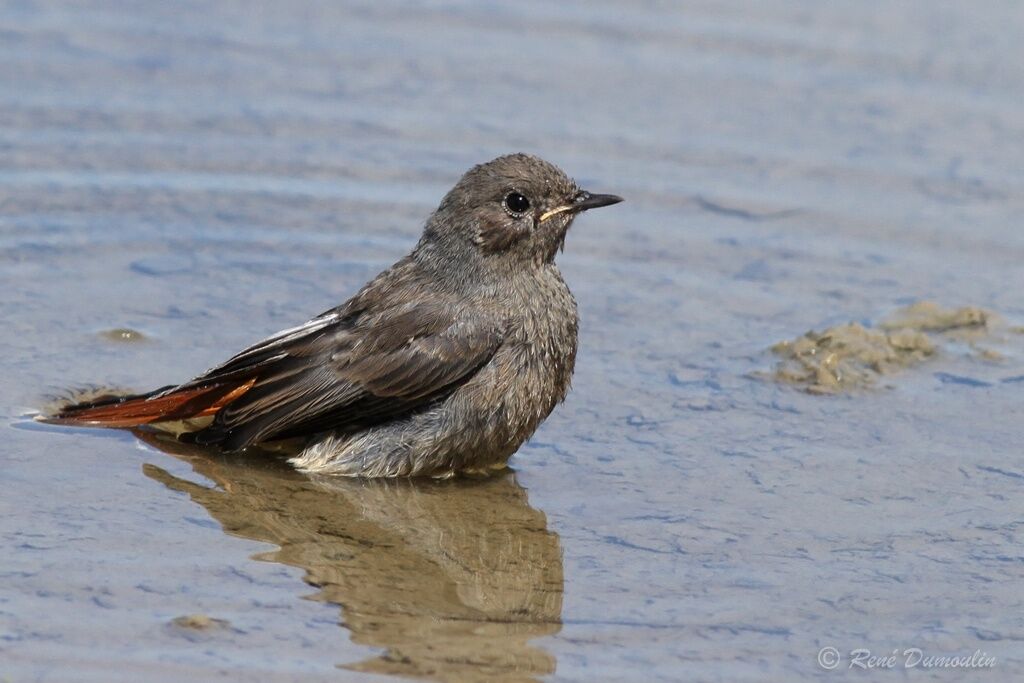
<point x="848" y="356"/>
<point x="198" y="622"/>
<point x="851" y="356"/>
<point x="199" y="628"/>
<point x="927" y="316"/>
<point x="123" y="335"/>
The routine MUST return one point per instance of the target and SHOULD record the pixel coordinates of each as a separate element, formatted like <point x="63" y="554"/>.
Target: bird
<point x="443" y="364"/>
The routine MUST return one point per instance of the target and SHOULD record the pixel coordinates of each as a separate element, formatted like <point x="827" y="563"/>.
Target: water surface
<point x="207" y="173"/>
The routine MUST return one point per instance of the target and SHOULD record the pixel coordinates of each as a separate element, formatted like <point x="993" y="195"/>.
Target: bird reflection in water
<point x="452" y="578"/>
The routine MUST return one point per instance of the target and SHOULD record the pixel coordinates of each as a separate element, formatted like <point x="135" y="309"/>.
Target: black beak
<point x="584" y="200"/>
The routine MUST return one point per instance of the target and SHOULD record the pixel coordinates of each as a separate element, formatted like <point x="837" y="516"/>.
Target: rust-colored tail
<point x="162" y="405"/>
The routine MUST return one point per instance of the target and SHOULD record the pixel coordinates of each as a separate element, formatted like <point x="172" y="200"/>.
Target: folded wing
<point x="352" y="367"/>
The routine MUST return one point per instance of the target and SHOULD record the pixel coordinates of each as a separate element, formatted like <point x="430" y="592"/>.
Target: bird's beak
<point x="581" y="202"/>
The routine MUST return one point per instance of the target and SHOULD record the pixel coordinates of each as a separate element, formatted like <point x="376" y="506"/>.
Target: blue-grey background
<point x="209" y="172"/>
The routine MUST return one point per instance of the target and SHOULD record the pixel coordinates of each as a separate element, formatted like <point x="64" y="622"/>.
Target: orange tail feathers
<point x="144" y="409"/>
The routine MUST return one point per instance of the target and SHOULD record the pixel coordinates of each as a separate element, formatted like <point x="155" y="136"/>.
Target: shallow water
<point x="207" y="174"/>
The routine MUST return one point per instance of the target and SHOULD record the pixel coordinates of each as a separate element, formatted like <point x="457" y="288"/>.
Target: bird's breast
<point x="532" y="370"/>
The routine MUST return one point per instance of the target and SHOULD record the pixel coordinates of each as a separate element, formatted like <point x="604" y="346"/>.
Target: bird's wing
<point x="347" y="369"/>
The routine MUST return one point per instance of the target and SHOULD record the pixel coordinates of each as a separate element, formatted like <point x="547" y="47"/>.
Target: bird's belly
<point x="505" y="403"/>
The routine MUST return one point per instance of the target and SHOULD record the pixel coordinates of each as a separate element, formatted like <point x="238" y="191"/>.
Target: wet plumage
<point x="446" y="362"/>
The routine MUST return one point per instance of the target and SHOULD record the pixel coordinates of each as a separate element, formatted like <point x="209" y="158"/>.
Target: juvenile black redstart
<point x="444" y="363"/>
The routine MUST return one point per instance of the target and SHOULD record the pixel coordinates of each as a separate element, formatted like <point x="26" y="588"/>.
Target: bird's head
<point x="514" y="210"/>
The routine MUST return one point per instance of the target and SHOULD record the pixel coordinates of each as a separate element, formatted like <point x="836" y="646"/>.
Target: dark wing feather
<point x="350" y="369"/>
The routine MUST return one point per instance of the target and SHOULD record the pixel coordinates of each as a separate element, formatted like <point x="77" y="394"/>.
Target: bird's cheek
<point x="498" y="235"/>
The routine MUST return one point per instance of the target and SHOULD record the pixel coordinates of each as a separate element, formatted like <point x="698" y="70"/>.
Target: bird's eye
<point x="516" y="203"/>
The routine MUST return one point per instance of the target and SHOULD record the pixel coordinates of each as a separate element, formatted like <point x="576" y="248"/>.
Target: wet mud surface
<point x="202" y="175"/>
<point x="851" y="356"/>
